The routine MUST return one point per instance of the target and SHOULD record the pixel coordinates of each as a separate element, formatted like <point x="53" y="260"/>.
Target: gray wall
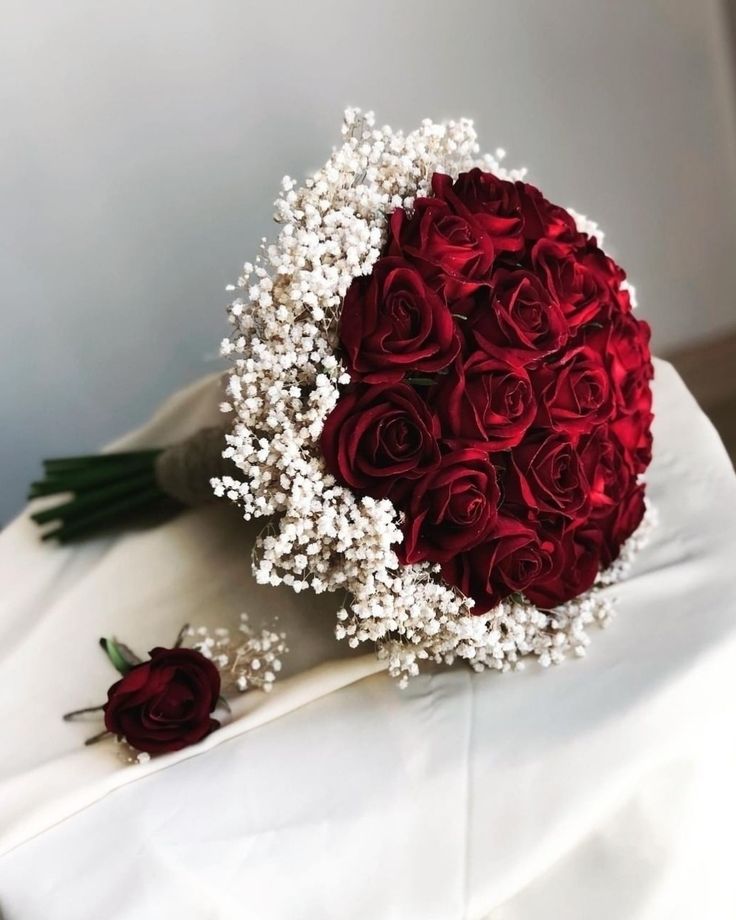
<point x="141" y="145"/>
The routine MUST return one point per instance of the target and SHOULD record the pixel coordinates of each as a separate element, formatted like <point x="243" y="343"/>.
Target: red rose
<point x="616" y="498"/>
<point x="164" y="704"/>
<point x="546" y="476"/>
<point x="576" y="562"/>
<point x="541" y="218"/>
<point x="625" y="342"/>
<point x="454" y="252"/>
<point x="622" y="522"/>
<point x="391" y="323"/>
<point x="378" y="437"/>
<point x="511" y="560"/>
<point x="634" y="433"/>
<point x="522" y="319"/>
<point x="583" y="279"/>
<point x="451" y="509"/>
<point x="484" y="402"/>
<point x="494" y="203"/>
<point x="574" y="392"/>
<point x="608" y="473"/>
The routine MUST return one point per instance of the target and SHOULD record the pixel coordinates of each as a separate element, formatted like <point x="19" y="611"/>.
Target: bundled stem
<point x="106" y="489"/>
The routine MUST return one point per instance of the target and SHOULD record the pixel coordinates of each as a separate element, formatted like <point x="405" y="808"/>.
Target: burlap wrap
<point x="184" y="470"/>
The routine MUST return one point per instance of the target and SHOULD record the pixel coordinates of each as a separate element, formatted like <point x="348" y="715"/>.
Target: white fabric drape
<point x="602" y="788"/>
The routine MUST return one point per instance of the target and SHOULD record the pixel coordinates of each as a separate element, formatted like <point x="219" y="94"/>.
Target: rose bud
<point x="521" y="319"/>
<point x="392" y="323"/>
<point x="484" y="402"/>
<point x="379" y="438"/>
<point x="164" y="704"/>
<point x="451" y="509"/>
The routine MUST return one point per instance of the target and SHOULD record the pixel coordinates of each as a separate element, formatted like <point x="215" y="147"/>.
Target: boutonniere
<point x="179" y="695"/>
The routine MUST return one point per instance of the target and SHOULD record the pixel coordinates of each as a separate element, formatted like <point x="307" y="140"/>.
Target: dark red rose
<point x="574" y="392"/>
<point x="451" y="509"/>
<point x="391" y="323"/>
<point x="484" y="402"/>
<point x="511" y="560"/>
<point x="454" y="252"/>
<point x="607" y="471"/>
<point x="625" y="342"/>
<point x="164" y="704"/>
<point x="576" y="563"/>
<point x="622" y="522"/>
<point x="494" y="203"/>
<point x="624" y="300"/>
<point x="545" y="476"/>
<point x="522" y="319"/>
<point x="598" y="265"/>
<point x="633" y="431"/>
<point x="541" y="218"/>
<point x="379" y="437"/>
<point x="583" y="280"/>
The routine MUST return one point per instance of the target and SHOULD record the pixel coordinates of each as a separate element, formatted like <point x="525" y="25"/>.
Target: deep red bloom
<point x="453" y="251"/>
<point x="393" y="323"/>
<point x="165" y="703"/>
<point x="583" y="279"/>
<point x="378" y="439"/>
<point x="484" y="402"/>
<point x="574" y="393"/>
<point x="546" y="477"/>
<point x="511" y="560"/>
<point x="493" y="202"/>
<point x="577" y="554"/>
<point x="451" y="509"/>
<point x="544" y="220"/>
<point x="521" y="318"/>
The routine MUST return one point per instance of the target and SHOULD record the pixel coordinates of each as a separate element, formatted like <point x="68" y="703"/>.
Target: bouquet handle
<point x="109" y="491"/>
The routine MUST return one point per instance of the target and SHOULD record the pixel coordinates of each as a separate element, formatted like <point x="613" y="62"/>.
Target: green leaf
<point x="123" y="660"/>
<point x="129" y="655"/>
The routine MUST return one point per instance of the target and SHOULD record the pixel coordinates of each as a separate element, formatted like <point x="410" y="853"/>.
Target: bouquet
<point x="440" y="405"/>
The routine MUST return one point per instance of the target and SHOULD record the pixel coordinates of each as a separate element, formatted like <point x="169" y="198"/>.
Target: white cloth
<point x="602" y="788"/>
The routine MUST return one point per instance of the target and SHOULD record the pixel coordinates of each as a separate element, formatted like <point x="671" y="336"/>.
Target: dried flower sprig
<point x="246" y="660"/>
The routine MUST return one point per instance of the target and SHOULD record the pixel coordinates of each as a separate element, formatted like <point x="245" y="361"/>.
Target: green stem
<point x="95" y="498"/>
<point x="90" y="478"/>
<point x="148" y="499"/>
<point x="62" y="463"/>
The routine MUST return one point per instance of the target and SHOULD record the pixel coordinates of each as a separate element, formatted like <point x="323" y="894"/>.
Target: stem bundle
<point x="106" y="490"/>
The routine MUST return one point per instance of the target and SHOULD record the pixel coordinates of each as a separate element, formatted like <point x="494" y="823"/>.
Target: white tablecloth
<point x="603" y="788"/>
